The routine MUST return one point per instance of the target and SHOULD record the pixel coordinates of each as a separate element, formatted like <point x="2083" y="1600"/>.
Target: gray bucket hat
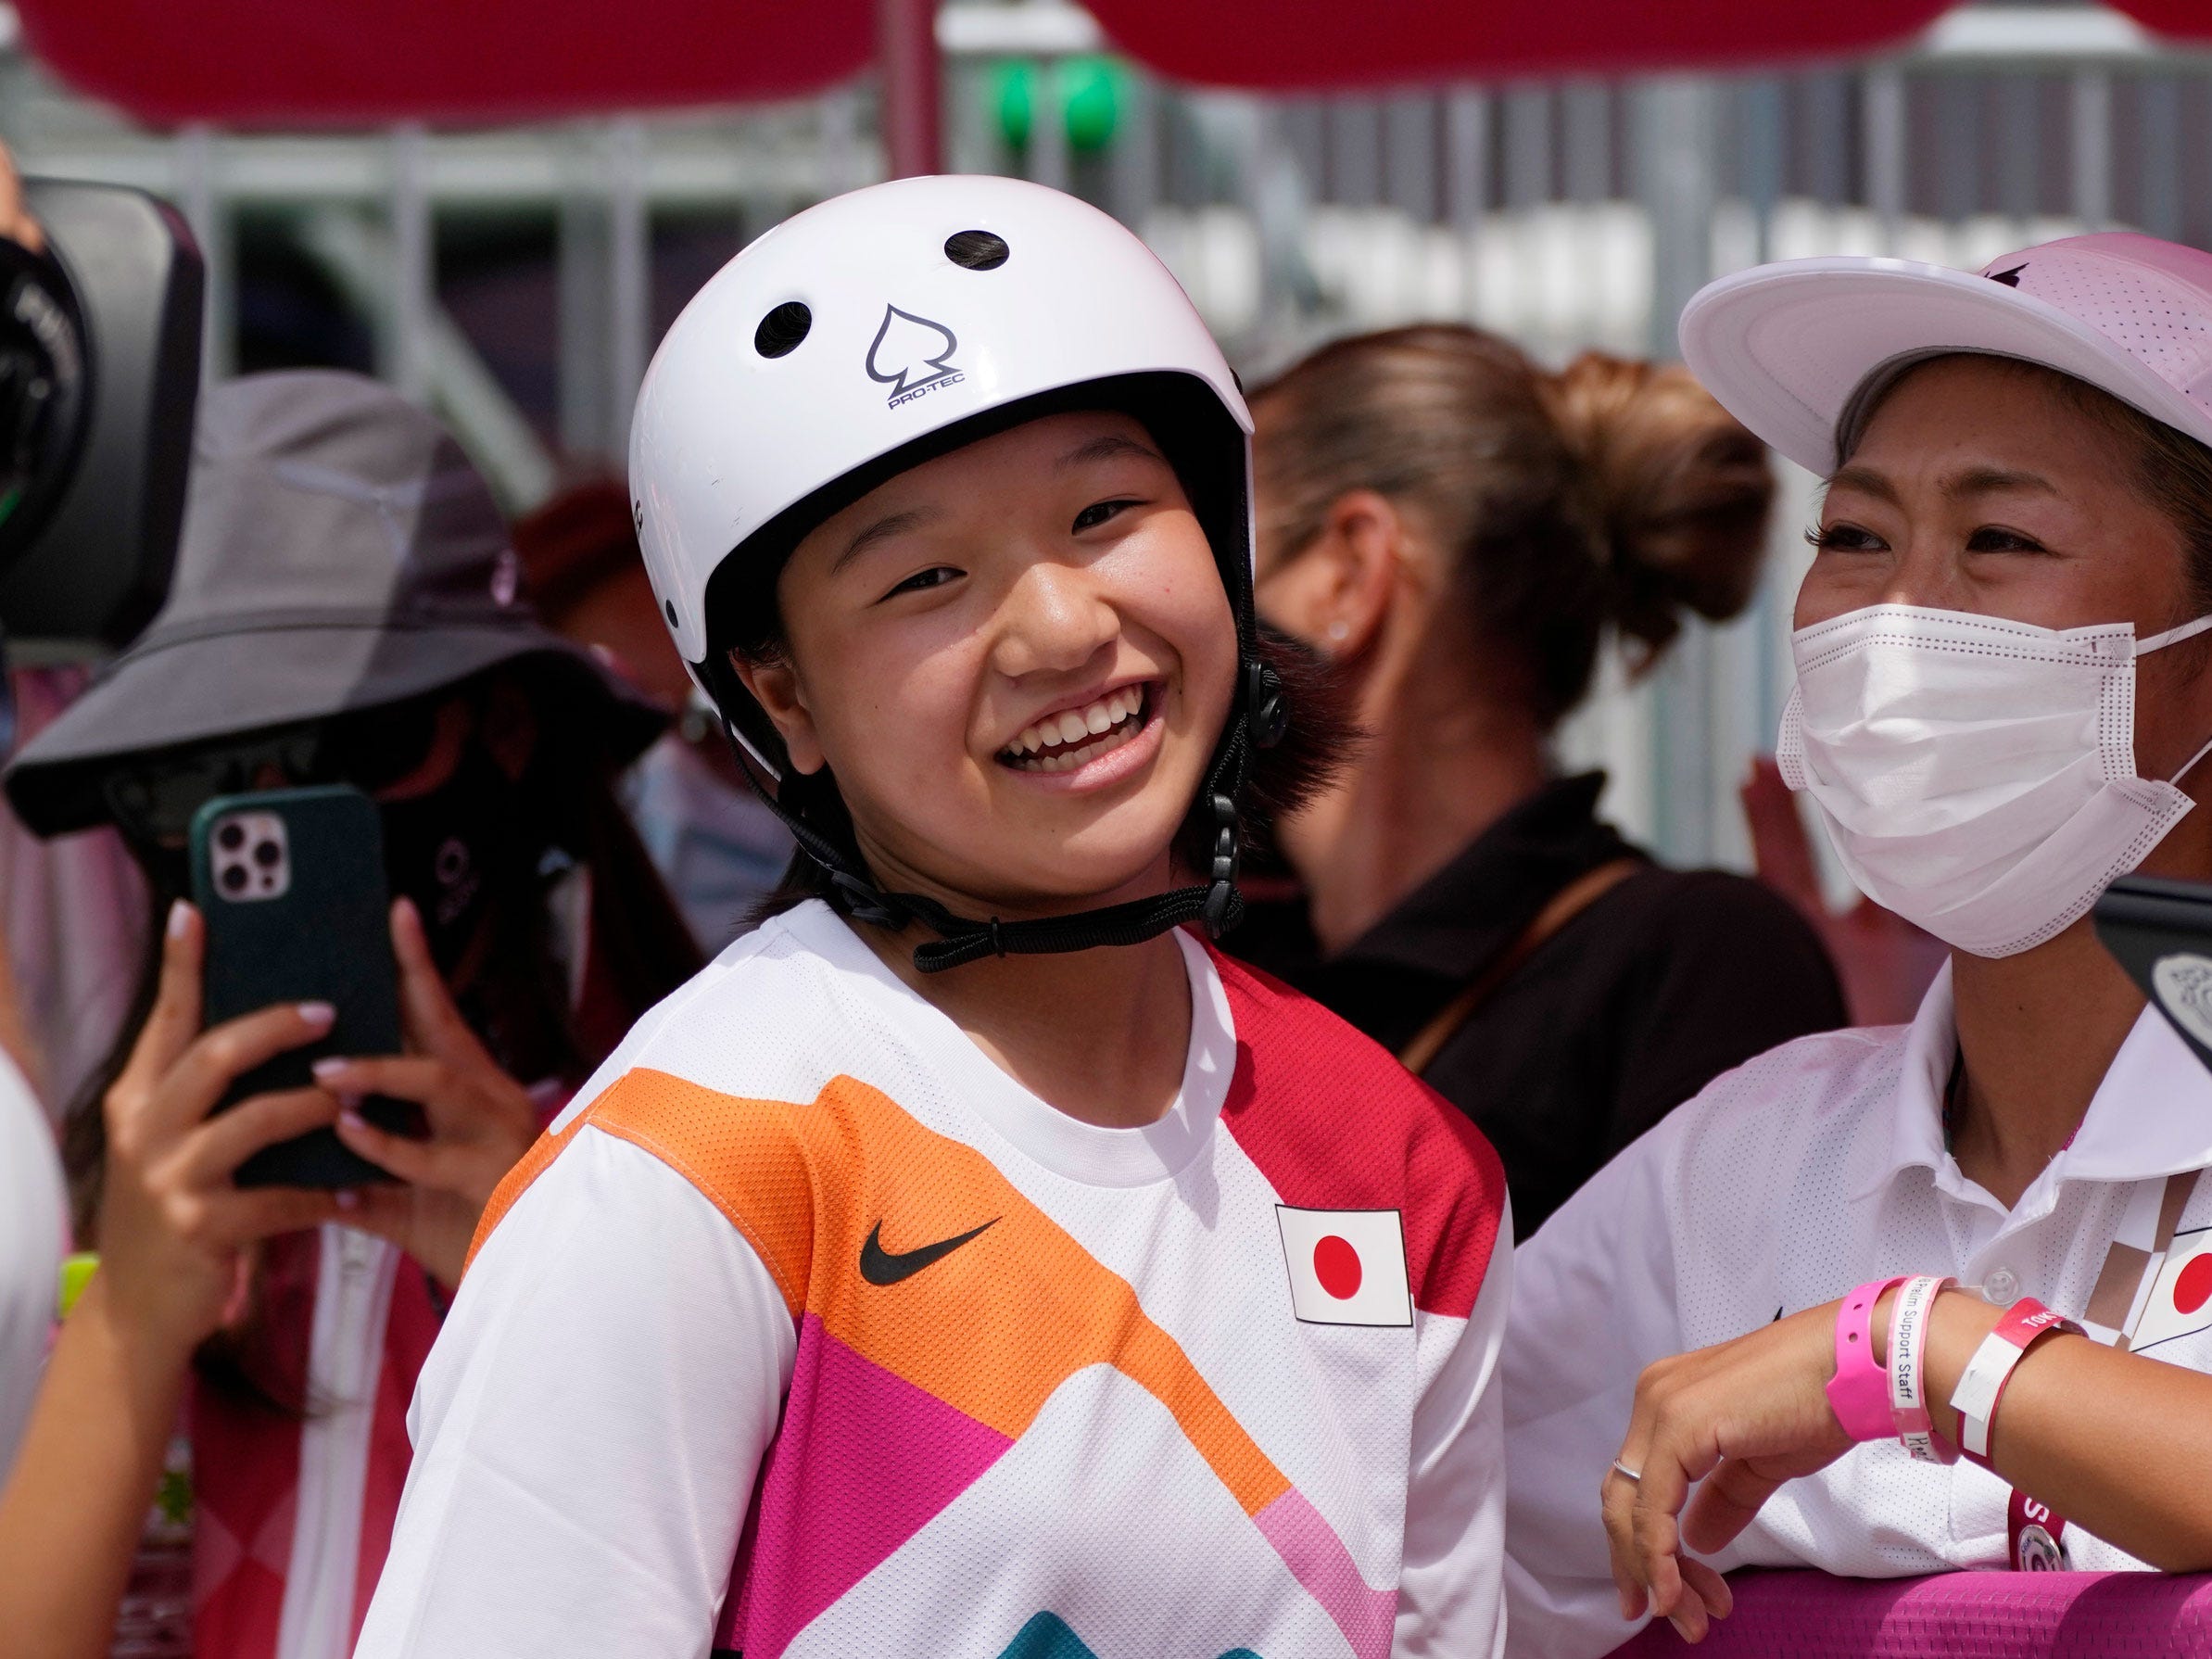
<point x="339" y="552"/>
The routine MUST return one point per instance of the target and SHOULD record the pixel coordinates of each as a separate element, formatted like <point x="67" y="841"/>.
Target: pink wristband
<point x="1908" y="1391"/>
<point x="1859" y="1392"/>
<point x="1981" y="1385"/>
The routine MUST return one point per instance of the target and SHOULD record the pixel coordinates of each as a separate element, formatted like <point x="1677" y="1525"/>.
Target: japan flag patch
<point x="1348" y="1267"/>
<point x="2181" y="1299"/>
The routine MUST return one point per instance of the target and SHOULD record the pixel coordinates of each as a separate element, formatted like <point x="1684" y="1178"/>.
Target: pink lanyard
<point x="2034" y="1536"/>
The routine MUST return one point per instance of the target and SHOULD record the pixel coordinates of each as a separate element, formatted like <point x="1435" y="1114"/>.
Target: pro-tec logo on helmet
<point x="912" y="355"/>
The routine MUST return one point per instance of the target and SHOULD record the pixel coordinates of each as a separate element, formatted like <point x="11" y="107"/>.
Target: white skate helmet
<point x="877" y="331"/>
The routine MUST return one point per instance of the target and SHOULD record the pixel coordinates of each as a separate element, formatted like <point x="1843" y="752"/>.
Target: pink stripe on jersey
<point x="1376" y="1138"/>
<point x="1318" y="1560"/>
<point x="864" y="1460"/>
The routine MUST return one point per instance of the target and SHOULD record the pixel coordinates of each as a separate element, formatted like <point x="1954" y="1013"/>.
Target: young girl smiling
<point x="970" y="1260"/>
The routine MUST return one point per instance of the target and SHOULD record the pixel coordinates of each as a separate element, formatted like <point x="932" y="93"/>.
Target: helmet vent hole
<point x="976" y="251"/>
<point x="668" y="605"/>
<point x="782" y="329"/>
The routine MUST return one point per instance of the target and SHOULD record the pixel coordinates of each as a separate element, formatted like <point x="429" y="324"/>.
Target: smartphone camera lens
<point x="231" y="837"/>
<point x="234" y="878"/>
<point x="266" y="854"/>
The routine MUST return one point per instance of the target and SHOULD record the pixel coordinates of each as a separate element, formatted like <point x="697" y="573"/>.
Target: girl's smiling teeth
<point x="1075" y="737"/>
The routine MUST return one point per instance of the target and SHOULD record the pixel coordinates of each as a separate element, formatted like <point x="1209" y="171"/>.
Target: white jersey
<point x="1787" y="1181"/>
<point x="808" y="1331"/>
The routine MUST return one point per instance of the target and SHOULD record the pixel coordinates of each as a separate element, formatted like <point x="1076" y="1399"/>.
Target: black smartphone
<point x="291" y="884"/>
<point x="2161" y="932"/>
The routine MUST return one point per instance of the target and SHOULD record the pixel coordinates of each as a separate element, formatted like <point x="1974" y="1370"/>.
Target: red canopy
<point x="261" y="63"/>
<point x="1315" y="45"/>
<point x="292" y="63"/>
<point x="2183" y="20"/>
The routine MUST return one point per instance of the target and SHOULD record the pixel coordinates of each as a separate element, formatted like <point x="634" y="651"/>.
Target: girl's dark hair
<point x="520" y="1006"/>
<point x="1613" y="494"/>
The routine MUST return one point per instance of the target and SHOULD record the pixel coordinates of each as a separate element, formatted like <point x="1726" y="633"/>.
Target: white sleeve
<point x="1449" y="1597"/>
<point x="588" y="1426"/>
<point x="1594" y="1304"/>
<point x="33" y="1230"/>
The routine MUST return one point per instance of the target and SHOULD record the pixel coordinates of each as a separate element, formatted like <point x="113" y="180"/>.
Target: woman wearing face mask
<point x="968" y="1259"/>
<point x="343" y="611"/>
<point x="1457" y="530"/>
<point x="1832" y="1287"/>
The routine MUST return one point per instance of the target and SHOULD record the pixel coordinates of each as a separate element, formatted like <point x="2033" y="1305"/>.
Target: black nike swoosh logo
<point x="880" y="1266"/>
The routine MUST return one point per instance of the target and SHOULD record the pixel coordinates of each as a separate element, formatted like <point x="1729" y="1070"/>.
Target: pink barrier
<point x="1956" y="1615"/>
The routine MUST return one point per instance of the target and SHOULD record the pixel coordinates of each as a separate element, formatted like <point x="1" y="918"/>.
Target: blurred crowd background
<point x="498" y="207"/>
<point x="516" y="274"/>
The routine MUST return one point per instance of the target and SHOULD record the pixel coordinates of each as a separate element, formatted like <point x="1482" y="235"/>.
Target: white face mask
<point x="1977" y="776"/>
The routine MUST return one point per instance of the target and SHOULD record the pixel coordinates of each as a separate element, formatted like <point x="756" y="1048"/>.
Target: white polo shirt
<point x="1786" y="1183"/>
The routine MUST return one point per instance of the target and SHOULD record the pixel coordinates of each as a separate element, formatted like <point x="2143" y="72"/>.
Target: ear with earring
<point x="1340" y="630"/>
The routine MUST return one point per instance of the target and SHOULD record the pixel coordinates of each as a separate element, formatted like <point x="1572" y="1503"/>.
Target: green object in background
<point x="76" y="1274"/>
<point x="1011" y="91"/>
<point x="1089" y="92"/>
<point x="1092" y="92"/>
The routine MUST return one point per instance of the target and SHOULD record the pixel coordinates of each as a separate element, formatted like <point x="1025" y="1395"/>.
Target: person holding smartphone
<point x="346" y="610"/>
<point x="1936" y="1295"/>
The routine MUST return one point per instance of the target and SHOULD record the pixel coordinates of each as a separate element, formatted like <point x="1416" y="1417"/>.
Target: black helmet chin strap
<point x="1257" y="723"/>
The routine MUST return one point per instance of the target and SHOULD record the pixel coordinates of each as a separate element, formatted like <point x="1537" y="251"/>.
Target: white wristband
<point x="1908" y="1347"/>
<point x="1982" y="1382"/>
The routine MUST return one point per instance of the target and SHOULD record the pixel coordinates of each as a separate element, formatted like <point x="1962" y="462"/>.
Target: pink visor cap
<point x="1796" y="350"/>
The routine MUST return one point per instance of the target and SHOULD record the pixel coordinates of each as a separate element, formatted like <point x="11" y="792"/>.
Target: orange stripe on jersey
<point x="748" y="1156"/>
<point x="513" y="1184"/>
<point x="991" y="1326"/>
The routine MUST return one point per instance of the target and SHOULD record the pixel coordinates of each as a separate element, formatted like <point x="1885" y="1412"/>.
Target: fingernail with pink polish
<point x="317" y="1013"/>
<point x="352" y="1119"/>
<point x="346" y="1199"/>
<point x="328" y="1067"/>
<point x="180" y="918"/>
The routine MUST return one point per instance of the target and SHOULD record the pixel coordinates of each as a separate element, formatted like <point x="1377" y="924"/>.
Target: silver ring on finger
<point x="1626" y="1472"/>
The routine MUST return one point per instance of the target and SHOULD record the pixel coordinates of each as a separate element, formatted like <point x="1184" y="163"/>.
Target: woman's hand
<point x="16" y="222"/>
<point x="480" y="1119"/>
<point x="1884" y="961"/>
<point x="1741" y="1416"/>
<point x="174" y="1231"/>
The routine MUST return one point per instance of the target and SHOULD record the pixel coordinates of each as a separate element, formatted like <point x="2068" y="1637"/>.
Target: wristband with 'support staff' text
<point x="1908" y="1385"/>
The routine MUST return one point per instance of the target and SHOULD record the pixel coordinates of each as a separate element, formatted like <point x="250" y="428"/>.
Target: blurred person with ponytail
<point x="1459" y="532"/>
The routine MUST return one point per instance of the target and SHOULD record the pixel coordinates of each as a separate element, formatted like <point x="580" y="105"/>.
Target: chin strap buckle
<point x="864" y="903"/>
<point x="1221" y="905"/>
<point x="1221" y="909"/>
<point x="1267" y="711"/>
<point x="1228" y="855"/>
